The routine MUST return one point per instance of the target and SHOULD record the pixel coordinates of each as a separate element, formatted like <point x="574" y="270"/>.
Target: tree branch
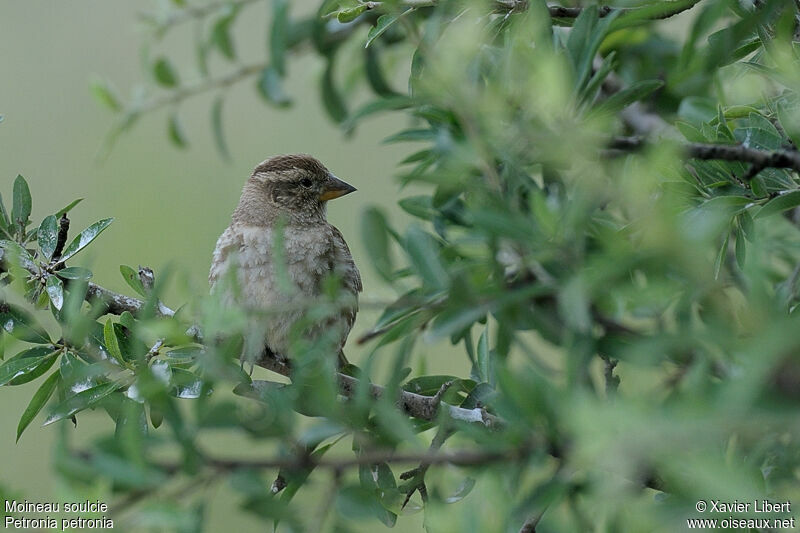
<point x="510" y="6"/>
<point x="457" y="458"/>
<point x="61" y="240"/>
<point x="727" y="152"/>
<point x="416" y="405"/>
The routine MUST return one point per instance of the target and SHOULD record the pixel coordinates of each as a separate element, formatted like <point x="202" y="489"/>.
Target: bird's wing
<point x="345" y="265"/>
<point x="229" y="242"/>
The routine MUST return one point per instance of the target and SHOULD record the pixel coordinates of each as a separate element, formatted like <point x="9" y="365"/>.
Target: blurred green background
<point x="169" y="205"/>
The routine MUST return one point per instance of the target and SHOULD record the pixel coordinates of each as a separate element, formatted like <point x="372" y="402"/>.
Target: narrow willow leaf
<point x="48" y="235"/>
<point x="748" y="226"/>
<point x="391" y="103"/>
<point x="270" y="87"/>
<point x="779" y="204"/>
<point x="68" y="207"/>
<point x="374" y="72"/>
<point x="176" y="132"/>
<point x="622" y="99"/>
<point x="331" y="99"/>
<point x="21" y="324"/>
<point x="75" y="273"/>
<point x="723" y="252"/>
<point x="278" y="35"/>
<point x="740" y="249"/>
<point x="382" y="24"/>
<point x="131" y="277"/>
<point x="14" y="252"/>
<point x="85" y="237"/>
<point x="462" y="491"/>
<point x="46" y="357"/>
<point x="164" y="73"/>
<point x="216" y="127"/>
<point x="21" y="207"/>
<point x="40" y="398"/>
<point x="112" y="343"/>
<point x="4" y="220"/>
<point x="80" y="401"/>
<point x="424" y="254"/>
<point x="55" y="290"/>
<point x="17" y="367"/>
<point x="484" y="365"/>
<point x="221" y="34"/>
<point x="105" y="94"/>
<point x="375" y="234"/>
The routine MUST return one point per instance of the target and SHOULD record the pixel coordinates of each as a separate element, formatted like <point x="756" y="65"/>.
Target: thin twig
<point x="193" y="12"/>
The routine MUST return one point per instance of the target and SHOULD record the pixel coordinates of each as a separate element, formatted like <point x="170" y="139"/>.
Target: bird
<point x="282" y="250"/>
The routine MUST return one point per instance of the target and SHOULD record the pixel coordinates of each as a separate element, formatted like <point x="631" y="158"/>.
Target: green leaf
<point x="349" y="15"/>
<point x="635" y="92"/>
<point x="21" y="209"/>
<point x="758" y="132"/>
<point x="278" y="35"/>
<point x="176" y="133"/>
<point x="779" y="204"/>
<point x="132" y="278"/>
<point x="425" y="259"/>
<point x="740" y="249"/>
<point x="462" y="491"/>
<point x="374" y="72"/>
<point x="55" y="290"/>
<point x="46" y="357"/>
<point x="584" y="40"/>
<point x="412" y="135"/>
<point x="48" y="235"/>
<point x="430" y="385"/>
<point x="19" y="366"/>
<point x="723" y="252"/>
<point x="68" y="207"/>
<point x="112" y="343"/>
<point x="164" y="73"/>
<point x="331" y="99"/>
<point x="85" y="238"/>
<point x="216" y="127"/>
<point x="748" y="227"/>
<point x="789" y="117"/>
<point x="270" y="88"/>
<point x="12" y="250"/>
<point x="221" y="34"/>
<point x="418" y="206"/>
<point x="4" y="220"/>
<point x="21" y="324"/>
<point x="40" y="398"/>
<point x="375" y="234"/>
<point x="75" y="273"/>
<point x="382" y="24"/>
<point x="105" y="94"/>
<point x="484" y="358"/>
<point x="80" y="401"/>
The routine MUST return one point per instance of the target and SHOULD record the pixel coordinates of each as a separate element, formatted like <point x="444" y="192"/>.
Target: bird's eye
<point x="306" y="182"/>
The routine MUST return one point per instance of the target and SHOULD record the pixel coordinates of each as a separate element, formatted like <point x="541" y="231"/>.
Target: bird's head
<point x="296" y="186"/>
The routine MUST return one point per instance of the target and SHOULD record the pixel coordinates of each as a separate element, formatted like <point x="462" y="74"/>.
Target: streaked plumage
<point x="291" y="192"/>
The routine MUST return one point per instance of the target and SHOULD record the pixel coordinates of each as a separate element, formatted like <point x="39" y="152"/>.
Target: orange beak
<point x="334" y="188"/>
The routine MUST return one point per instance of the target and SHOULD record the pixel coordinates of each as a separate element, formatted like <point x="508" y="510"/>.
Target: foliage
<point x="627" y="305"/>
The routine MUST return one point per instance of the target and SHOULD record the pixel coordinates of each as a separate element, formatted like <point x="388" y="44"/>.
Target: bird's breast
<point x="268" y="262"/>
